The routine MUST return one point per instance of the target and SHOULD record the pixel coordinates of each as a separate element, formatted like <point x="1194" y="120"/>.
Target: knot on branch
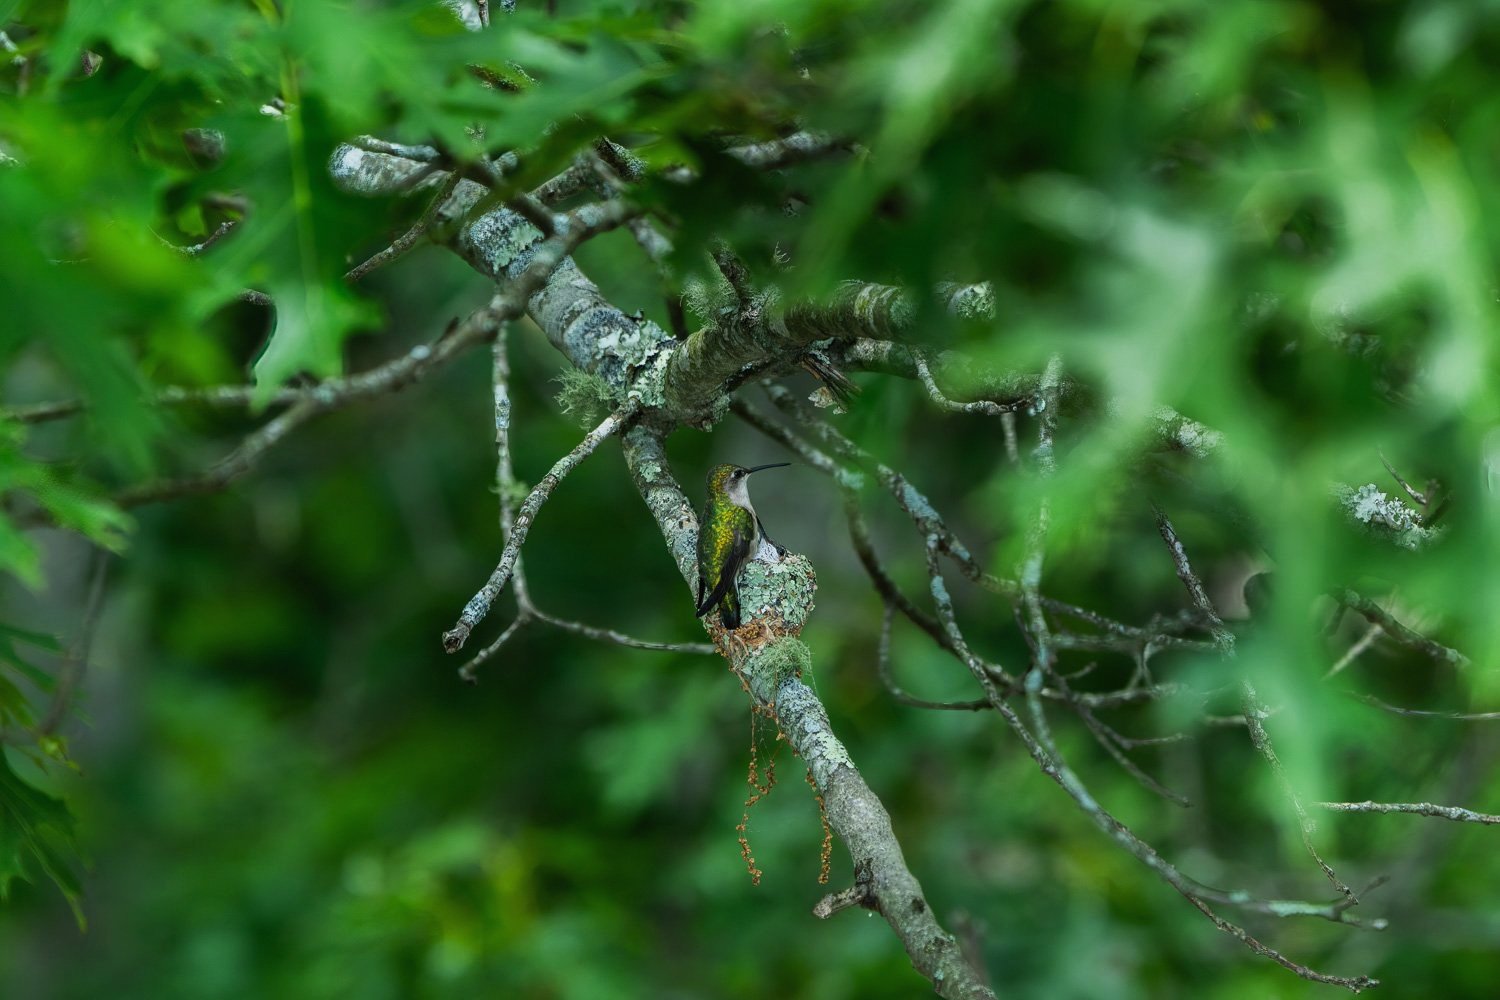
<point x="861" y="893"/>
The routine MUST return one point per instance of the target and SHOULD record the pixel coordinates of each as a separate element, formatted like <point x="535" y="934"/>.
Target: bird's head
<point x="730" y="480"/>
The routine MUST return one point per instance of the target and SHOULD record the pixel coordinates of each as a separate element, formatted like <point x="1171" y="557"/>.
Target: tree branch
<point x="770" y="663"/>
<point x="1455" y="813"/>
<point x="1387" y="622"/>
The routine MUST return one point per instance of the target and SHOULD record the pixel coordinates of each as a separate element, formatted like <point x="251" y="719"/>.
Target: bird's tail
<point x="729" y="610"/>
<point x="838" y="384"/>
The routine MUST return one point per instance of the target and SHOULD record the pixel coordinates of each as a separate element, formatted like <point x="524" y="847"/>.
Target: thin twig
<point x="929" y="523"/>
<point x="479" y="604"/>
<point x="223" y="229"/>
<point x="533" y="211"/>
<point x="1044" y="752"/>
<point x="621" y="639"/>
<point x="1337" y="911"/>
<point x="1376" y="615"/>
<point x="1428" y="714"/>
<point x="883" y="668"/>
<point x="1353" y="652"/>
<point x="1255" y="712"/>
<point x="1455" y="813"/>
<point x="984" y="406"/>
<point x="505" y="489"/>
<point x="1035" y="621"/>
<point x="1419" y="498"/>
<point x="1254" y="709"/>
<point x="1222" y="636"/>
<point x="228" y="469"/>
<point x="75" y="662"/>
<point x="403" y="244"/>
<point x="1112" y="744"/>
<point x="469" y="671"/>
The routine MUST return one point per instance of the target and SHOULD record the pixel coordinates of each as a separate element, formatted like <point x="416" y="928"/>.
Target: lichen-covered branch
<point x="1384" y="517"/>
<point x="778" y="600"/>
<point x="593" y="334"/>
<point x="714" y="357"/>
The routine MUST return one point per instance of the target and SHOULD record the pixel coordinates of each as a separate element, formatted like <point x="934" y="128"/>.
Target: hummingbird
<point x="729" y="535"/>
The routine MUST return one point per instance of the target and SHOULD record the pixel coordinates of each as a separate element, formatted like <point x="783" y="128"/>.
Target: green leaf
<point x="37" y="838"/>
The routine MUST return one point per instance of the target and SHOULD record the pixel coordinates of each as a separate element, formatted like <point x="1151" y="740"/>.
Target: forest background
<point x="1218" y="279"/>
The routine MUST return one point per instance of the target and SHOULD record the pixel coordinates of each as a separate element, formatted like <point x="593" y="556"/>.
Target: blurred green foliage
<point x="1275" y="217"/>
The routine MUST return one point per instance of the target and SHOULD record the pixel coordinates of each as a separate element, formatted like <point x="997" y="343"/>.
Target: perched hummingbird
<point x="729" y="535"/>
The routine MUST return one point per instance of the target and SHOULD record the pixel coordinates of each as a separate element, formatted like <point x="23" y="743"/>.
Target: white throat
<point x="739" y="493"/>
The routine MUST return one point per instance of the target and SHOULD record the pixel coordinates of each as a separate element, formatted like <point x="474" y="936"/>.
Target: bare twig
<point x="1113" y="745"/>
<point x="1427" y="714"/>
<point x="470" y="670"/>
<point x="1255" y="712"/>
<point x="229" y="468"/>
<point x="1044" y="752"/>
<point x="479" y="604"/>
<point x="1355" y="649"/>
<point x="1336" y="912"/>
<point x="1419" y="498"/>
<point x="883" y="668"/>
<point x="620" y="639"/>
<point x="533" y="211"/>
<point x="1376" y="615"/>
<point x="1254" y="709"/>
<point x="76" y="660"/>
<point x="526" y="610"/>
<point x="985" y="406"/>
<point x="403" y="244"/>
<point x="505" y="486"/>
<point x="1455" y="813"/>
<point x="223" y="229"/>
<point x="929" y="523"/>
<point x="1034" y="621"/>
<point x="1222" y="636"/>
<point x="331" y="394"/>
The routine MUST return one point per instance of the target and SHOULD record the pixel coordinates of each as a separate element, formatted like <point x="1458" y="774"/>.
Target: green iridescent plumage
<point x="729" y="534"/>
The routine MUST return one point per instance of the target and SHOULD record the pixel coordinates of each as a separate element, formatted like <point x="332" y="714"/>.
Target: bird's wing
<point x="738" y="544"/>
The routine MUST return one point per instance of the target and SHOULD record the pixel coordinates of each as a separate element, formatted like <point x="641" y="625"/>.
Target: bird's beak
<point x="773" y="465"/>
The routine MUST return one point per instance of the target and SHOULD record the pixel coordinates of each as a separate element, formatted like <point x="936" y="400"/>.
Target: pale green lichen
<point x="784" y="589"/>
<point x="821" y="749"/>
<point x="779" y="659"/>
<point x="708" y="302"/>
<point x="1385" y="515"/>
<point x="585" y="396"/>
<point x="648" y="383"/>
<point x="502" y="240"/>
